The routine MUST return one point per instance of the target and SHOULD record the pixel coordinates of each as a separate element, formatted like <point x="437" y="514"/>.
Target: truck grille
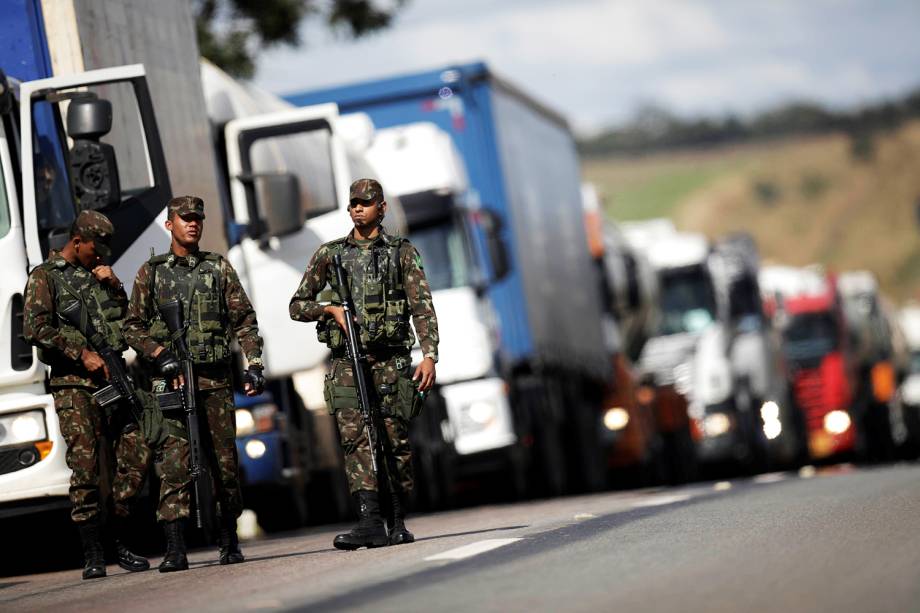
<point x="809" y="393"/>
<point x="20" y="350"/>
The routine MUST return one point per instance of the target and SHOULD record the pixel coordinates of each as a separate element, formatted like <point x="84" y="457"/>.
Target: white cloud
<point x="594" y="60"/>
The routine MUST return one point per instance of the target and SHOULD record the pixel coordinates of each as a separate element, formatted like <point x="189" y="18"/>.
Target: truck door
<point x="289" y="178"/>
<point x="90" y="141"/>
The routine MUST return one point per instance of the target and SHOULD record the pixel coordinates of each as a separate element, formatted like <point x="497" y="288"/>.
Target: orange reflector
<point x="883" y="382"/>
<point x="44" y="448"/>
<point x="645" y="395"/>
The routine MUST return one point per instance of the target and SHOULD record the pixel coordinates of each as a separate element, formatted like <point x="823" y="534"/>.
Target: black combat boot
<point x="175" y="558"/>
<point x="93" y="553"/>
<point x="126" y="559"/>
<point x="370" y="531"/>
<point x="229" y="543"/>
<point x="399" y="535"/>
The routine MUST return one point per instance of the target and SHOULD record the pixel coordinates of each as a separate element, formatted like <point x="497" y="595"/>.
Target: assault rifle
<point x="121" y="386"/>
<point x="358" y="360"/>
<point x="183" y="399"/>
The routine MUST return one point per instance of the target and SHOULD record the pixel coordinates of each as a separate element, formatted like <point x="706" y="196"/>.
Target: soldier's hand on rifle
<point x="105" y="274"/>
<point x="338" y="314"/>
<point x="253" y="381"/>
<point x="425" y="375"/>
<point x="94" y="362"/>
<point x="168" y="364"/>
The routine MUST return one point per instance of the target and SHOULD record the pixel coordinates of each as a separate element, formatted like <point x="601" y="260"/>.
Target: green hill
<point x="816" y="199"/>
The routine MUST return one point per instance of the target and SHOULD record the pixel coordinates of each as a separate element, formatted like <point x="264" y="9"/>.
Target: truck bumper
<point x="27" y="489"/>
<point x="479" y="416"/>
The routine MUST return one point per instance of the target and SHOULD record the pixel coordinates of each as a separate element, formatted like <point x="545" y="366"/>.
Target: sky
<point x="598" y="61"/>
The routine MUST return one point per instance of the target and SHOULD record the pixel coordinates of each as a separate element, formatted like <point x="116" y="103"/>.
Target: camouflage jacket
<point x="358" y="261"/>
<point x="60" y="345"/>
<point x="217" y="283"/>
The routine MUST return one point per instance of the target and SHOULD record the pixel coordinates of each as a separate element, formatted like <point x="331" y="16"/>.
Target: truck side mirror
<point x="492" y="225"/>
<point x="278" y="195"/>
<point x="93" y="168"/>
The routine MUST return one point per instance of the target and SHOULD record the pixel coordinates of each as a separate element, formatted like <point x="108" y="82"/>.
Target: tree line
<point x="655" y="129"/>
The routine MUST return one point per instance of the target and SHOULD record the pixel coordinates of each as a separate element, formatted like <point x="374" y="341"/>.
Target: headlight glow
<point x="716" y="424"/>
<point x="769" y="411"/>
<point x="21" y="428"/>
<point x="245" y="423"/>
<point x="772" y="429"/>
<point x="255" y="449"/>
<point x="837" y="422"/>
<point x="616" y="418"/>
<point x="481" y="412"/>
<point x="772" y="426"/>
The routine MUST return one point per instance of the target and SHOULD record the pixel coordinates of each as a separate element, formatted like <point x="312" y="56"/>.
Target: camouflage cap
<point x="94" y="226"/>
<point x="186" y="205"/>
<point x="367" y="190"/>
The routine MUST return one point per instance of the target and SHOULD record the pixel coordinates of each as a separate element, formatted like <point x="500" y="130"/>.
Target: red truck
<point x="806" y="307"/>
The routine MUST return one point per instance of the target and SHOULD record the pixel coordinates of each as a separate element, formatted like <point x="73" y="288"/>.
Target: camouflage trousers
<point x="219" y="440"/>
<point x="396" y="455"/>
<point x="86" y="429"/>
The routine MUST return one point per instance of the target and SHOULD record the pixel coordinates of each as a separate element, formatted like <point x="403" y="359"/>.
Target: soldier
<point x="387" y="284"/>
<point x="215" y="305"/>
<point x="77" y="273"/>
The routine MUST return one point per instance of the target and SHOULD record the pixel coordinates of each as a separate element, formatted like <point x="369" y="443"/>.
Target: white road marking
<point x="656" y="501"/>
<point x="473" y="549"/>
<point x="584" y="516"/>
<point x="770" y="478"/>
<point x="722" y="486"/>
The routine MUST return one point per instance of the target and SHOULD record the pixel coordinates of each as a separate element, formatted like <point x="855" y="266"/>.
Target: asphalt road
<point x="841" y="539"/>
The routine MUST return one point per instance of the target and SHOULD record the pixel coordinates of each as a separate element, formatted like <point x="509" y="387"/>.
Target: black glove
<point x="253" y="376"/>
<point x="167" y="363"/>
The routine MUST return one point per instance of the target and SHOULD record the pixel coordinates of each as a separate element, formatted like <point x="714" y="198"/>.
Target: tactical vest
<point x="200" y="289"/>
<point x="70" y="283"/>
<point x="377" y="291"/>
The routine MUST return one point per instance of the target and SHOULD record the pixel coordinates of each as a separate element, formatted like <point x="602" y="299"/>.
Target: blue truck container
<point x="523" y="168"/>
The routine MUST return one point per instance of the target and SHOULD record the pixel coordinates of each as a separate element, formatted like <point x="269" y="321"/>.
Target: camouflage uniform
<point x="219" y="305"/>
<point x="52" y="286"/>
<point x="387" y="283"/>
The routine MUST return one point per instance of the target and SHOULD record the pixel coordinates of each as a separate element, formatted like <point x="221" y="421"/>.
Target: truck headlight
<point x="769" y="411"/>
<point x="772" y="425"/>
<point x="245" y="423"/>
<point x="25" y="427"/>
<point x="837" y="422"/>
<point x="255" y="449"/>
<point x="716" y="424"/>
<point x="616" y="419"/>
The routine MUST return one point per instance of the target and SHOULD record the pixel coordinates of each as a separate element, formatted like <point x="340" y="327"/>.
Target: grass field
<point x="804" y="200"/>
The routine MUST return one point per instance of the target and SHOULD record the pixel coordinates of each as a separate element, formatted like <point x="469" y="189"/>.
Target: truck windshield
<point x="444" y="253"/>
<point x="810" y="336"/>
<point x="688" y="301"/>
